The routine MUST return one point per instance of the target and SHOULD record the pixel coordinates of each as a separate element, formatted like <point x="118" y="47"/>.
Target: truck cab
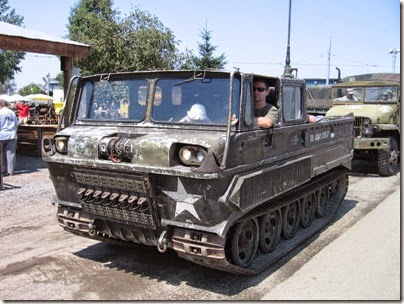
<point x="376" y="107"/>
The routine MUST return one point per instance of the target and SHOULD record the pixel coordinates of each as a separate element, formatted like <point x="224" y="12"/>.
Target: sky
<point x="353" y="35"/>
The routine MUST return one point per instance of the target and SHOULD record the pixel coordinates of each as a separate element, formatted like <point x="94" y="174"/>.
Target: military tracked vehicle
<point x="172" y="159"/>
<point x="375" y="103"/>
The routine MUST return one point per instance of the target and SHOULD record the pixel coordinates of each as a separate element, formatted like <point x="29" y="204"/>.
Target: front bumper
<point x="371" y="143"/>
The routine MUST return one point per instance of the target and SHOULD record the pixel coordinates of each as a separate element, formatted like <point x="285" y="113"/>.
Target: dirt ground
<point x="39" y="261"/>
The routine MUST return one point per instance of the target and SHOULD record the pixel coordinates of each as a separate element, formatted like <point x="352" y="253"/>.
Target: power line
<point x="313" y="64"/>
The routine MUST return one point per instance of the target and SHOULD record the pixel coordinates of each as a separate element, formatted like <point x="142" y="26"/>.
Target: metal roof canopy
<point x="16" y="38"/>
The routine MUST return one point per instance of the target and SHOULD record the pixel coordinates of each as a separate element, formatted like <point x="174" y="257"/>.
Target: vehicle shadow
<point x="362" y="167"/>
<point x="146" y="261"/>
<point x="28" y="164"/>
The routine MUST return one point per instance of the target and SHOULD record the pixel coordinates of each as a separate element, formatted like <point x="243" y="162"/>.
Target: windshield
<point x="194" y="101"/>
<point x="175" y="100"/>
<point x="382" y="94"/>
<point x="347" y="94"/>
<point x="113" y="100"/>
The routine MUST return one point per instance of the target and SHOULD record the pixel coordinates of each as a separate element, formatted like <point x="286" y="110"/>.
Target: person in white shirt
<point x="8" y="137"/>
<point x="349" y="96"/>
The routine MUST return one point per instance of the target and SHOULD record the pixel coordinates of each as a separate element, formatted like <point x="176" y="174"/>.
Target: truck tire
<point x="387" y="160"/>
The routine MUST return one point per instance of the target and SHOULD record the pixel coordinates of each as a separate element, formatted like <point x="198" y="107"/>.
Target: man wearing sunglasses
<point x="265" y="114"/>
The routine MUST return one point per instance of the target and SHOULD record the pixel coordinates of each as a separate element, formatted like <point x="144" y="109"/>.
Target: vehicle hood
<point x="147" y="147"/>
<point x="379" y="114"/>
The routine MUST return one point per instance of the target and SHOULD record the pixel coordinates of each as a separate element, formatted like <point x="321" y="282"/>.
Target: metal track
<point x="210" y="250"/>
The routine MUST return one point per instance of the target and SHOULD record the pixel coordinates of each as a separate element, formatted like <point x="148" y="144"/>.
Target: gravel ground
<point x="40" y="261"/>
<point x="31" y="176"/>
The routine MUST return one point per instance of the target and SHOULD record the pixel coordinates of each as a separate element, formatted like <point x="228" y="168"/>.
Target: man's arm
<point x="269" y="120"/>
<point x="263" y="122"/>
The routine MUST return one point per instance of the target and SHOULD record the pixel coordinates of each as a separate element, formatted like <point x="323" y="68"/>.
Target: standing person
<point x="265" y="114"/>
<point x="23" y="112"/>
<point x="8" y="137"/>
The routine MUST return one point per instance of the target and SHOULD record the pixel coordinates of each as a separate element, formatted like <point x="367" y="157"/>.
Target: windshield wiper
<point x="199" y="76"/>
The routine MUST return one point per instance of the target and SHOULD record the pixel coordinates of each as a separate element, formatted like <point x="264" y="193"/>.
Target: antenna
<point x="288" y="70"/>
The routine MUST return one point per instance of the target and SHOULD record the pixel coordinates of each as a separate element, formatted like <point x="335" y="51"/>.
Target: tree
<point x="188" y="60"/>
<point x="94" y="22"/>
<point x="137" y="42"/>
<point x="9" y="60"/>
<point x="146" y="43"/>
<point x="206" y="60"/>
<point x="32" y="88"/>
<point x="60" y="79"/>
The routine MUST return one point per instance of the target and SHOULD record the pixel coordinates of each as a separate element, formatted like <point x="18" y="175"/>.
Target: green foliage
<point x="146" y="44"/>
<point x="9" y="60"/>
<point x="137" y="42"/>
<point x="30" y="89"/>
<point x="94" y="22"/>
<point x="60" y="79"/>
<point x="187" y="60"/>
<point x="206" y="60"/>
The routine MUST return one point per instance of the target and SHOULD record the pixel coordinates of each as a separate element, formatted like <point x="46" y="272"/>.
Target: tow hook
<point x="91" y="228"/>
<point x="162" y="242"/>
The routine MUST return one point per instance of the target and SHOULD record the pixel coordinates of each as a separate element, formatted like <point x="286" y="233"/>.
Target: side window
<point x="248" y="119"/>
<point x="292" y="103"/>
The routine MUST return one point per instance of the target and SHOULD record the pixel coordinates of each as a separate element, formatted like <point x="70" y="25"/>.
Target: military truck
<point x="172" y="159"/>
<point x="376" y="107"/>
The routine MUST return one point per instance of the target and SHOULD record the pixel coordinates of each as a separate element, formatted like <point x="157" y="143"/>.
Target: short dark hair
<point x="262" y="80"/>
<point x="3" y="103"/>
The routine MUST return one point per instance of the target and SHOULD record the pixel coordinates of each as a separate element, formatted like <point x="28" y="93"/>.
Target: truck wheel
<point x="387" y="160"/>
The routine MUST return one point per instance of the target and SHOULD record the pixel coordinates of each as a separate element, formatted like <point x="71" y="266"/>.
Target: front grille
<point x="358" y="126"/>
<point x="126" y="199"/>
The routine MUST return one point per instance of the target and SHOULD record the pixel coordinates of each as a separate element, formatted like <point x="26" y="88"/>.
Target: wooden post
<point x="66" y="65"/>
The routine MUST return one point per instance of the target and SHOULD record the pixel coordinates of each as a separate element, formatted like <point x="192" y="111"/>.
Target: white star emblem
<point x="184" y="200"/>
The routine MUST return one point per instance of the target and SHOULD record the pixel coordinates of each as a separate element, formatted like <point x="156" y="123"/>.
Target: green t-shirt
<point x="268" y="111"/>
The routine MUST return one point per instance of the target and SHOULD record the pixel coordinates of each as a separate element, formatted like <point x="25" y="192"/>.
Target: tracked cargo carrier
<point x="174" y="160"/>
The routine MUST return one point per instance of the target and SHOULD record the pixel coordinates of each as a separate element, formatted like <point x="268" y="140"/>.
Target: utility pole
<point x="329" y="64"/>
<point x="394" y="53"/>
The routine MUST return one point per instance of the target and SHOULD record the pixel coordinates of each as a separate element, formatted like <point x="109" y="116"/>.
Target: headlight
<point x="367" y="131"/>
<point x="192" y="155"/>
<point x="367" y="128"/>
<point x="185" y="154"/>
<point x="61" y="145"/>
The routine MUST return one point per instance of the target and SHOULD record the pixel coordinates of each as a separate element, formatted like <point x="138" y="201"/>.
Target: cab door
<point x="252" y="143"/>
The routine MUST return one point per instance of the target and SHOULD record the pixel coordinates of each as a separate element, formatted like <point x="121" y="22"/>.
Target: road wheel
<point x="322" y="201"/>
<point x="270" y="230"/>
<point x="290" y="219"/>
<point x="244" y="243"/>
<point x="308" y="204"/>
<point x="387" y="160"/>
